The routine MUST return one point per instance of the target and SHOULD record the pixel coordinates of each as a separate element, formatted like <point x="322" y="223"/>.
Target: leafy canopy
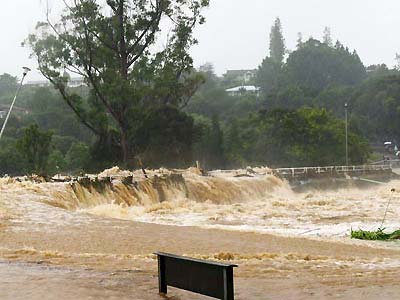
<point x="132" y="53"/>
<point x="317" y="65"/>
<point x="34" y="147"/>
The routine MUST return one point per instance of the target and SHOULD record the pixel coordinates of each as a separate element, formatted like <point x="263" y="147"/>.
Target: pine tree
<point x="397" y="58"/>
<point x="271" y="67"/>
<point x="328" y="37"/>
<point x="277" y="42"/>
<point x="299" y="40"/>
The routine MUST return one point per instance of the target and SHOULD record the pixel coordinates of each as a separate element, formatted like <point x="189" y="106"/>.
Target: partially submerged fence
<point x="204" y="277"/>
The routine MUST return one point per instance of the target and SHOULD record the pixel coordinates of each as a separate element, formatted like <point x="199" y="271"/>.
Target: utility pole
<point x="347" y="149"/>
<point x="26" y="70"/>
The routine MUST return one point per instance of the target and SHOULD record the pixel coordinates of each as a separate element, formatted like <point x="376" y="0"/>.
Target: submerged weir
<point x="219" y="188"/>
<point x="232" y="200"/>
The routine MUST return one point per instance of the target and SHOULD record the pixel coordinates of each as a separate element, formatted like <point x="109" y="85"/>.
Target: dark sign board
<point x="204" y="277"/>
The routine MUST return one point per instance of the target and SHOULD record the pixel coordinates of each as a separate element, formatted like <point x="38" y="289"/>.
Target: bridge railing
<point x="390" y="162"/>
<point x="294" y="172"/>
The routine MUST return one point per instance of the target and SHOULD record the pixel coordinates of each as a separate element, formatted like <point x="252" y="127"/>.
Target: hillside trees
<point x="317" y="65"/>
<point x="34" y="148"/>
<point x="163" y="129"/>
<point x="310" y="136"/>
<point x="302" y="137"/>
<point x="8" y="84"/>
<point x="115" y="48"/>
<point x="375" y="108"/>
<point x="211" y="98"/>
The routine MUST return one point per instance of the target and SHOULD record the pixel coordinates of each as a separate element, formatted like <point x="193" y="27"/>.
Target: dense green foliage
<point x="112" y="46"/>
<point x="378" y="235"/>
<point x="317" y="65"/>
<point x="376" y="107"/>
<point x="303" y="137"/>
<point x="291" y="124"/>
<point x="147" y="119"/>
<point x="8" y="83"/>
<point x="42" y="110"/>
<point x="34" y="148"/>
<point x="165" y="138"/>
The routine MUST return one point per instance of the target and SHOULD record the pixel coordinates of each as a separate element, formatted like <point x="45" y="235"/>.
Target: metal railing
<point x="331" y="170"/>
<point x="390" y="162"/>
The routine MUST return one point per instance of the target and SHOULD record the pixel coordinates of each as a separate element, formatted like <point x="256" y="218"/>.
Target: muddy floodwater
<point x="69" y="240"/>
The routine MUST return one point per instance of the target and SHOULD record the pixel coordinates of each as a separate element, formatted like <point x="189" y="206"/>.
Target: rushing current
<point x="93" y="237"/>
<point x="225" y="200"/>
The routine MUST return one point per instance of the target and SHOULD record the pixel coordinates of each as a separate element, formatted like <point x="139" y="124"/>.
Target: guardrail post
<point x="162" y="283"/>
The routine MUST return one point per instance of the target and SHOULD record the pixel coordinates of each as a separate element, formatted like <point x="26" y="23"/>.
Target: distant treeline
<point x="298" y="120"/>
<point x="161" y="116"/>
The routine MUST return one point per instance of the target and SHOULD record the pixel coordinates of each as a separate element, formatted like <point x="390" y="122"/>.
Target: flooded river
<point x="74" y="241"/>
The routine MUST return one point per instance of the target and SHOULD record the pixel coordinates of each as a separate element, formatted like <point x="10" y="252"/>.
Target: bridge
<point x="292" y="174"/>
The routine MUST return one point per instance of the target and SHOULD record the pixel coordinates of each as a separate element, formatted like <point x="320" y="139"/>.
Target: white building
<point x="244" y="89"/>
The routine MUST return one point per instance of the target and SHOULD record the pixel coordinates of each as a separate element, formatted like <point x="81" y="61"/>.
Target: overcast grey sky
<point x="236" y="33"/>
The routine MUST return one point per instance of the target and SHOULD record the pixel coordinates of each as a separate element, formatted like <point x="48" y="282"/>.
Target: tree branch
<point x="67" y="99"/>
<point x="155" y="24"/>
<point x="105" y="43"/>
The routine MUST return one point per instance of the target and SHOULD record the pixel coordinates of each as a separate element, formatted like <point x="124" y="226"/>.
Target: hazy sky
<point x="236" y="33"/>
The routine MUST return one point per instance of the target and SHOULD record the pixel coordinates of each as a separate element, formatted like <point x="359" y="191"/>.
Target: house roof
<point x="246" y="88"/>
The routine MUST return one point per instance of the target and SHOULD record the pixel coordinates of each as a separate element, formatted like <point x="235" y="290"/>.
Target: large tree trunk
<point x="124" y="75"/>
<point x="124" y="146"/>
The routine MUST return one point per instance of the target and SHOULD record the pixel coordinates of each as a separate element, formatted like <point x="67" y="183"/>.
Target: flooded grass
<point x="378" y="235"/>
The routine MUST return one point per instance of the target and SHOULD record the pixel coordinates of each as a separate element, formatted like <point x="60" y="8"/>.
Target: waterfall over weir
<point x="232" y="200"/>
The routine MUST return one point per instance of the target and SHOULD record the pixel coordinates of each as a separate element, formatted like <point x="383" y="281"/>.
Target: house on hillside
<point x="243" y="90"/>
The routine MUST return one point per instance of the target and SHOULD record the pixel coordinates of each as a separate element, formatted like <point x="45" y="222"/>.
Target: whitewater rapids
<point x="224" y="200"/>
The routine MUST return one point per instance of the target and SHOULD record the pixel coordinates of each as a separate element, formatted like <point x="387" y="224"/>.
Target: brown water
<point x="57" y="236"/>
